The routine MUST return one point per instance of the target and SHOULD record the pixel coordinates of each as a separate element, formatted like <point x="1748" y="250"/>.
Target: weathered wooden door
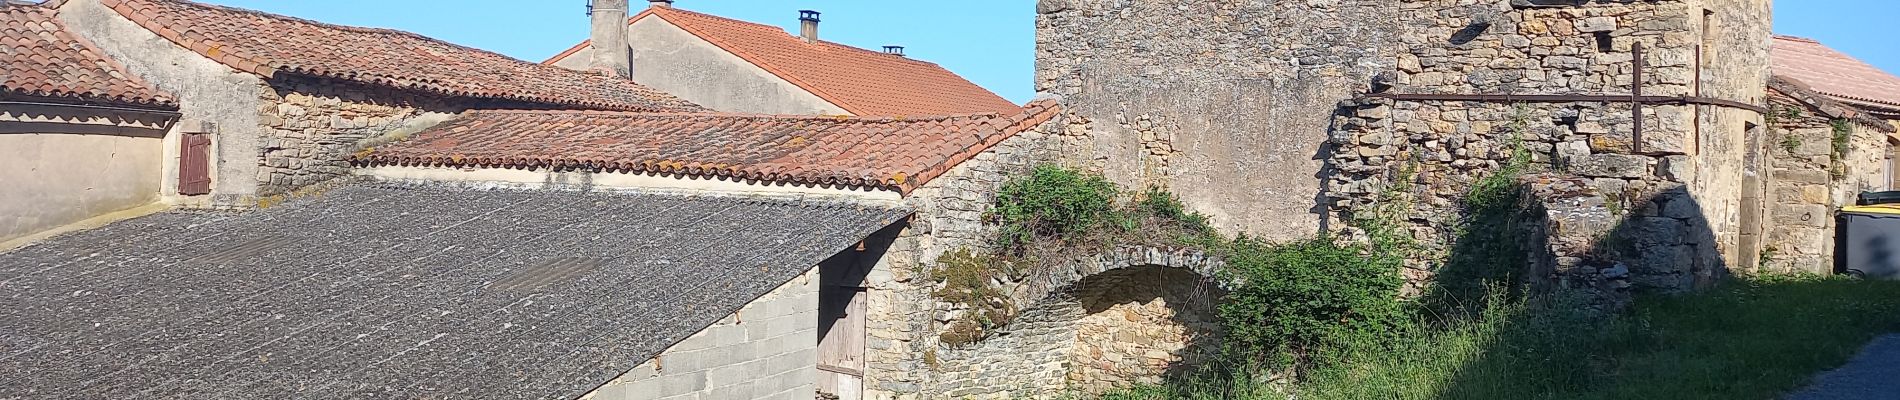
<point x="841" y="349"/>
<point x="194" y="164"/>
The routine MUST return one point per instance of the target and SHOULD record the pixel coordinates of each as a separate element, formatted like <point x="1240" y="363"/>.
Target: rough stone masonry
<point x="1285" y="118"/>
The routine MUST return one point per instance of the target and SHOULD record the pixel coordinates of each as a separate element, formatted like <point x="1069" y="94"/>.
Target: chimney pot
<point x="611" y="53"/>
<point x="894" y="50"/>
<point x="660" y="3"/>
<point x="808" y="25"/>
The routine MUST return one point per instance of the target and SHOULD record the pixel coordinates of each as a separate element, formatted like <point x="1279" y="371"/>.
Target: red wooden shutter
<point x="194" y="164"/>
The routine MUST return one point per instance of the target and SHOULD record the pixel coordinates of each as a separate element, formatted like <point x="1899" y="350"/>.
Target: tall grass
<point x="1753" y="338"/>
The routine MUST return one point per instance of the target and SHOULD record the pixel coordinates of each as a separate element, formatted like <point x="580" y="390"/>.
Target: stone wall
<point x="1143" y="324"/>
<point x="1820" y="161"/>
<point x="312" y="127"/>
<point x="766" y="350"/>
<point x="1032" y="355"/>
<point x="903" y="322"/>
<point x="1686" y="163"/>
<point x="1226" y="103"/>
<point x="1128" y="315"/>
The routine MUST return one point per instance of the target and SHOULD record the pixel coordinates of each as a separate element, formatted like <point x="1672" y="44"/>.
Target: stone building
<point x="738" y="66"/>
<point x="1831" y="139"/>
<point x="79" y="136"/>
<point x="1328" y="106"/>
<point x="283" y="102"/>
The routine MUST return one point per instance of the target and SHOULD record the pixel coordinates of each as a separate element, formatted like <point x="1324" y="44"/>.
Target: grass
<point x="1753" y="338"/>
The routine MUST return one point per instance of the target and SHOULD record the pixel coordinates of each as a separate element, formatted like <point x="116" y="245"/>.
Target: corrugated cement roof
<point x="397" y="292"/>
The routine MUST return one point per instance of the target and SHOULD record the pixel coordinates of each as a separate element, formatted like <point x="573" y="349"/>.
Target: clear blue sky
<point x="991" y="42"/>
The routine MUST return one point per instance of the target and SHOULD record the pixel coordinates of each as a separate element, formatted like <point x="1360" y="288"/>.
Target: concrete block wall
<point x="766" y="350"/>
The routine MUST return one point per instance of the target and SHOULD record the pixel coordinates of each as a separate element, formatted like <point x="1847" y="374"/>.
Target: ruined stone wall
<point x="1675" y="188"/>
<point x="1226" y="103"/>
<point x="311" y="127"/>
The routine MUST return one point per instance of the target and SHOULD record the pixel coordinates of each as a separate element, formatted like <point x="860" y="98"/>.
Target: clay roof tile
<point x="783" y="149"/>
<point x="40" y="58"/>
<point x="863" y="82"/>
<point x="1833" y="73"/>
<point x="267" y="44"/>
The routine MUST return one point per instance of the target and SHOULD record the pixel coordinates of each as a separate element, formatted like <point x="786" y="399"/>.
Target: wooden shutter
<point x="194" y="164"/>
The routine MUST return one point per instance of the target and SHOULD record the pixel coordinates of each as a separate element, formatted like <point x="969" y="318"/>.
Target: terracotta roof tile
<point x="863" y="82"/>
<point x="268" y="44"/>
<point x="1834" y="73"/>
<point x="39" y="58"/>
<point x="886" y="152"/>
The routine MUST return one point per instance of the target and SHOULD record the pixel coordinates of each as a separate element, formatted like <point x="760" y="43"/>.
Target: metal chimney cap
<point x="894" y="50"/>
<point x="808" y="15"/>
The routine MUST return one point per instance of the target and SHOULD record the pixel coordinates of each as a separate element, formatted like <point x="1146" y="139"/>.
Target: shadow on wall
<point x="1141" y="325"/>
<point x="1555" y="233"/>
<point x="1571" y="252"/>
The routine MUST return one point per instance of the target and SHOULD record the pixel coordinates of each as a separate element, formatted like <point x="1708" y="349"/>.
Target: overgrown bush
<point x="1053" y="202"/>
<point x="1298" y="302"/>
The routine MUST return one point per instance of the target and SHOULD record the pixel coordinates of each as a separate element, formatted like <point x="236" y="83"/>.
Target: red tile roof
<point x="39" y="58"/>
<point x="1834" y="73"/>
<point x="862" y="82"/>
<point x="893" y="153"/>
<point x="269" y="44"/>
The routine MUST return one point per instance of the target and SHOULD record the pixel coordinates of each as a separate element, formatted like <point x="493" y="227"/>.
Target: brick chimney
<point x="808" y="25"/>
<point x="611" y="54"/>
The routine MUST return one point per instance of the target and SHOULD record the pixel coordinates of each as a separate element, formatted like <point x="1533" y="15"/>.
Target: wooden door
<point x="841" y="348"/>
<point x="194" y="164"/>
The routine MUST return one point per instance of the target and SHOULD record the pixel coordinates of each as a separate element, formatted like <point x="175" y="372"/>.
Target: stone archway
<point x="1141" y="324"/>
<point x="1131" y="315"/>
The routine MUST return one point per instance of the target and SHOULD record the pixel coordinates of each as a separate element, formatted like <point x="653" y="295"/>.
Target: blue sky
<point x="991" y="42"/>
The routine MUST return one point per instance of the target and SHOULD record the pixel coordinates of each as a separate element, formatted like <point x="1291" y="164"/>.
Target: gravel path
<point x="1873" y="374"/>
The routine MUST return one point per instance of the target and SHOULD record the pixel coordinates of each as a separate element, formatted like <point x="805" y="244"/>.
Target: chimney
<point x="660" y="3"/>
<point x="894" y="50"/>
<point x="611" y="54"/>
<point x="808" y="25"/>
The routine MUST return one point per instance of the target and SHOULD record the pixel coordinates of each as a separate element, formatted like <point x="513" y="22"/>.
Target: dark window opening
<point x="1605" y="43"/>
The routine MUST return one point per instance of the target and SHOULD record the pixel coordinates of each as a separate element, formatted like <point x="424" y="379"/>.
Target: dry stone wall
<point x="312" y="127"/>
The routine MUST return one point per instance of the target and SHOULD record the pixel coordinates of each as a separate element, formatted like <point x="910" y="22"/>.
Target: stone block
<point x="1678" y="168"/>
<point x="1596" y="24"/>
<point x="1655" y="231"/>
<point x="1809" y="215"/>
<point x="1612" y="166"/>
<point x="1666" y="259"/>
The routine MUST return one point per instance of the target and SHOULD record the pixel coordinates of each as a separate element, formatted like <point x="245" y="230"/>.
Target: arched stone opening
<point x="1135" y="315"/>
<point x="1140" y="325"/>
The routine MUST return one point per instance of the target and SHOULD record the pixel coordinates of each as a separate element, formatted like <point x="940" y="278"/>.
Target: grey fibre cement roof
<point x="398" y="292"/>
